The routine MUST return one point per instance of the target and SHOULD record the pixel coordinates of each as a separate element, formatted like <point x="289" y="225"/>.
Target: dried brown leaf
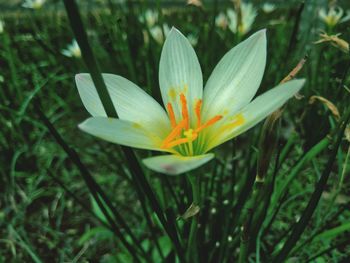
<point x="191" y="211"/>
<point x="327" y="103"/>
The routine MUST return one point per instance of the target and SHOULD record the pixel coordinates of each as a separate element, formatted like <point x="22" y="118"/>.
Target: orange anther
<point x="184" y="110"/>
<point x="174" y="133"/>
<point x="198" y="112"/>
<point x="209" y="123"/>
<point x="175" y="143"/>
<point x="171" y="115"/>
<point x="180" y="141"/>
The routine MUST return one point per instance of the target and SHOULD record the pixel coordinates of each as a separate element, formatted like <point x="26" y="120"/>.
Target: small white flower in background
<point x="33" y="4"/>
<point x="194" y="120"/>
<point x="192" y="39"/>
<point x="268" y="8"/>
<point x="158" y="34"/>
<point x="2" y="25"/>
<point x="72" y="50"/>
<point x="197" y="3"/>
<point x="248" y="17"/>
<point x="334" y="16"/>
<point x="221" y="21"/>
<point x="150" y="18"/>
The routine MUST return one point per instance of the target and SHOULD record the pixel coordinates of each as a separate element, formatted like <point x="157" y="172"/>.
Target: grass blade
<point x="95" y="190"/>
<point x="316" y="195"/>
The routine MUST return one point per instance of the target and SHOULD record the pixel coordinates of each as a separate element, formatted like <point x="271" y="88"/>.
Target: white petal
<point x="176" y="164"/>
<point x="122" y="132"/>
<point x="256" y="111"/>
<point x="236" y="78"/>
<point x="89" y="95"/>
<point x="131" y="102"/>
<point x="179" y="72"/>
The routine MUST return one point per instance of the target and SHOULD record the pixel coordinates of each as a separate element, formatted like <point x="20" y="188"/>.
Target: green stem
<point x="10" y="57"/>
<point x="248" y="217"/>
<point x="89" y="58"/>
<point x="340" y="185"/>
<point x="192" y="241"/>
<point x="243" y="251"/>
<point x="346" y="162"/>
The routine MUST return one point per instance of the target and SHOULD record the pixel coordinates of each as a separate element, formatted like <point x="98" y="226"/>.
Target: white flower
<point x="150" y="18"/>
<point x="192" y="39"/>
<point x="221" y="21"/>
<point x="33" y="4"/>
<point x="72" y="50"/>
<point x="248" y="17"/>
<point x="158" y="34"/>
<point x="197" y="3"/>
<point x="268" y="7"/>
<point x="334" y="16"/>
<point x="194" y="120"/>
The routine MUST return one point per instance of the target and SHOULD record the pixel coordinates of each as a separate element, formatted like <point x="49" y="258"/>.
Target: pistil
<point x="191" y="136"/>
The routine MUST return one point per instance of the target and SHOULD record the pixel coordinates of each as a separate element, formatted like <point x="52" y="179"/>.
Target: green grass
<point x="41" y="221"/>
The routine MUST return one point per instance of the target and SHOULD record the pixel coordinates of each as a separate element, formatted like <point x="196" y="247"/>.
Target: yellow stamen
<point x="171" y="115"/>
<point x="174" y="133"/>
<point x="184" y="110"/>
<point x="197" y="109"/>
<point x="209" y="123"/>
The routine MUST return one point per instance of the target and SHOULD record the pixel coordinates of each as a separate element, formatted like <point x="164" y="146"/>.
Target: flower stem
<point x="190" y="147"/>
<point x="192" y="241"/>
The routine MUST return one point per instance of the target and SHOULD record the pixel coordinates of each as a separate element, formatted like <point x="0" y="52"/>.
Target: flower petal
<point x="254" y="112"/>
<point x="131" y="102"/>
<point x="122" y="132"/>
<point x="176" y="164"/>
<point x="236" y="77"/>
<point x="179" y="72"/>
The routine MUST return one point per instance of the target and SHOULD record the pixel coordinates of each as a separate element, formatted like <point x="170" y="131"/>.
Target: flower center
<point x="181" y="132"/>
